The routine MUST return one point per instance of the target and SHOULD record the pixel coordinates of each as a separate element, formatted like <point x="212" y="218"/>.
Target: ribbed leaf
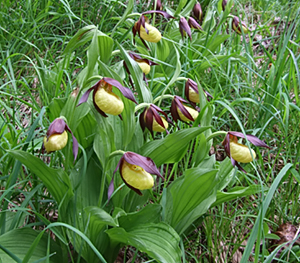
<point x="159" y="241"/>
<point x="99" y="217"/>
<point x="172" y="148"/>
<point x="19" y="241"/>
<point x="236" y="192"/>
<point x="197" y="185"/>
<point x="56" y="180"/>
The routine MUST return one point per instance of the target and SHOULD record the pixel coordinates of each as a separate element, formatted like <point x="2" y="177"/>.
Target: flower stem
<point x="215" y="134"/>
<point x="141" y="106"/>
<point x="102" y="186"/>
<point x="165" y="96"/>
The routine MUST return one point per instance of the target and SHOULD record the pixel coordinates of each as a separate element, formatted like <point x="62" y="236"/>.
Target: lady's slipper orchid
<point x="236" y="25"/>
<point x="192" y="93"/>
<point x="56" y="137"/>
<point x="239" y="152"/>
<point x="182" y="112"/>
<point x="143" y="63"/>
<point x="135" y="171"/>
<point x="145" y="30"/>
<point x="105" y="101"/>
<point x="197" y="11"/>
<point x="151" y="120"/>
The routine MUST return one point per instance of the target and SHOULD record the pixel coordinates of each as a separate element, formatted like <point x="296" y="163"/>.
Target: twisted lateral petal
<point x="125" y="91"/>
<point x="241" y="153"/>
<point x="108" y="102"/>
<point x="135" y="176"/>
<point x="162" y="13"/>
<point x="145" y="162"/>
<point x="55" y="142"/>
<point x="251" y="138"/>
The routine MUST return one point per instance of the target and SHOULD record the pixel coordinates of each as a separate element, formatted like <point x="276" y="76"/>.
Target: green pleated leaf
<point x="236" y="192"/>
<point x="56" y="180"/>
<point x="150" y="213"/>
<point x="19" y="242"/>
<point x="172" y="148"/>
<point x="159" y="241"/>
<point x="196" y="186"/>
<point x="99" y="217"/>
<point x="225" y="174"/>
<point x="180" y="6"/>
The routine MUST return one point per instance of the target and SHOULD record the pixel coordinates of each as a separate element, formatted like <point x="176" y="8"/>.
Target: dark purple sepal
<point x="174" y="112"/>
<point x="197" y="11"/>
<point x="162" y="13"/>
<point x="85" y="96"/>
<point x="238" y="166"/>
<point x="75" y="143"/>
<point x="145" y="162"/>
<point x="124" y="90"/>
<point x="58" y="126"/>
<point x="184" y="27"/>
<point x="142" y="121"/>
<point x="110" y="189"/>
<point x="183" y="110"/>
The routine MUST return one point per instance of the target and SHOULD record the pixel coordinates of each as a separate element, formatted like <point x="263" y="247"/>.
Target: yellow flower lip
<point x="136" y="176"/>
<point x="55" y="142"/>
<point x="241" y="153"/>
<point x="108" y="102"/>
<point x="153" y="35"/>
<point x="144" y="67"/>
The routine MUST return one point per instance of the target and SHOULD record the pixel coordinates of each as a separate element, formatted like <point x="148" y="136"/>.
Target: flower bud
<point x="197" y="11"/>
<point x="236" y="25"/>
<point x="184" y="28"/>
<point x="193" y="24"/>
<point x="158" y="5"/>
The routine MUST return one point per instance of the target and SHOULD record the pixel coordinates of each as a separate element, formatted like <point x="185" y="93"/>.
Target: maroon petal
<point x="183" y="26"/>
<point x="111" y="188"/>
<point x="142" y="120"/>
<point x="183" y="110"/>
<point x="162" y="13"/>
<point x="75" y="143"/>
<point x="56" y="127"/>
<point x="174" y="112"/>
<point x="145" y="162"/>
<point x="125" y="91"/>
<point x="149" y="120"/>
<point x="85" y="96"/>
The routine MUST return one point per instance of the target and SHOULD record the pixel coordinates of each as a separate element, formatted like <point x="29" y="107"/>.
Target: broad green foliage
<point x="80" y="192"/>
